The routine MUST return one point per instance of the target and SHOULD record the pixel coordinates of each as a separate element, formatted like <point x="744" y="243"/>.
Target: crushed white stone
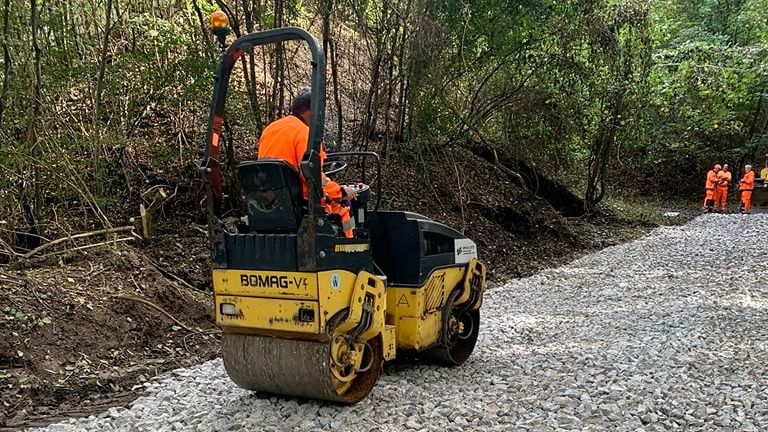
<point x="670" y="331"/>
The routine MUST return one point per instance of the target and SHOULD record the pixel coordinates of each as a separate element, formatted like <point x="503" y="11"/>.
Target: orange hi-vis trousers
<point x="332" y="205"/>
<point x="347" y="223"/>
<point x="746" y="200"/>
<point x="720" y="196"/>
<point x="709" y="196"/>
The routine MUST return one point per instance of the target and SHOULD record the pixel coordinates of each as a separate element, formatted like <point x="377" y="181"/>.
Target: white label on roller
<point x="361" y="215"/>
<point x="465" y="250"/>
<point x="335" y="281"/>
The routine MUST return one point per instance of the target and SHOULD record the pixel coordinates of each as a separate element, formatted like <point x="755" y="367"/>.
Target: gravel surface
<point x="667" y="332"/>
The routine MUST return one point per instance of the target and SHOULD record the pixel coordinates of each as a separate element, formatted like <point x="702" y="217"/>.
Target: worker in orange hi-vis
<point x="720" y="196"/>
<point x="287" y="138"/>
<point x="746" y="185"/>
<point x="709" y="188"/>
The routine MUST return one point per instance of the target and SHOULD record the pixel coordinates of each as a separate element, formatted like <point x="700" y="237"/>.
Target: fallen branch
<point x="89" y="246"/>
<point x="157" y="308"/>
<point x="24" y="233"/>
<point x="12" y="276"/>
<point x="169" y="275"/>
<point x="78" y="236"/>
<point x="198" y="228"/>
<point x="507" y="170"/>
<point x="6" y="249"/>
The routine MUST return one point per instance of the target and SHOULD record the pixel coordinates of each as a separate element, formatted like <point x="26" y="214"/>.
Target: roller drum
<point x="294" y="367"/>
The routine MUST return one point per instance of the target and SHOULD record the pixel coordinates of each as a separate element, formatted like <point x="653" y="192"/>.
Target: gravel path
<point x="670" y="331"/>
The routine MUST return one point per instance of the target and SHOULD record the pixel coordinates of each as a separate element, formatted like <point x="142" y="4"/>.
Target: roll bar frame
<point x="210" y="167"/>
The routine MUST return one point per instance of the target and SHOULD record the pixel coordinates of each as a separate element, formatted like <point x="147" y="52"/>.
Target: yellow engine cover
<point x="416" y="311"/>
<point x="267" y="300"/>
<point x="409" y="317"/>
<point x="268" y="314"/>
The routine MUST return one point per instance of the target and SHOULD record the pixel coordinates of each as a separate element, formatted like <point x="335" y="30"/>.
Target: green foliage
<point x="708" y="84"/>
<point x="25" y="321"/>
<point x="676" y="82"/>
<point x="110" y="94"/>
<point x="598" y="90"/>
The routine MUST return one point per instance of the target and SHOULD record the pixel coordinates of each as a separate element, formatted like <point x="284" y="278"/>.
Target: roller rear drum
<point x="298" y="368"/>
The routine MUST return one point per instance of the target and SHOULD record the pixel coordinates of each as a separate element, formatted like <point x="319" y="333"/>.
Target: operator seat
<point x="273" y="195"/>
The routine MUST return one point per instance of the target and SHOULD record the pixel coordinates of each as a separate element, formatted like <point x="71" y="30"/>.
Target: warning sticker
<point x="402" y="301"/>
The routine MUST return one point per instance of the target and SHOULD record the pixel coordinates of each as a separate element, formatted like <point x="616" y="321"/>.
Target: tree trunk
<point x="102" y="62"/>
<point x="388" y="104"/>
<point x="402" y="76"/>
<point x="6" y="60"/>
<point x="31" y="204"/>
<point x="97" y="151"/>
<point x="758" y="111"/>
<point x="329" y="49"/>
<point x="372" y="99"/>
<point x="337" y="96"/>
<point x="249" y="72"/>
<point x="278" y="73"/>
<point x="37" y="86"/>
<point x="203" y="27"/>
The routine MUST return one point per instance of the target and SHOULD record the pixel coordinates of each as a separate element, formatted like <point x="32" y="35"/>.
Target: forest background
<point x="532" y="126"/>
<point x="100" y="100"/>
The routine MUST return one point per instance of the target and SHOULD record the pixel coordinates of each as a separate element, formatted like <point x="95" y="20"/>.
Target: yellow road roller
<point x="306" y="311"/>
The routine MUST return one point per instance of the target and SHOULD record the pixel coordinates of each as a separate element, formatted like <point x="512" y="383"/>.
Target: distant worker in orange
<point x="746" y="185"/>
<point x="724" y="179"/>
<point x="287" y="139"/>
<point x="709" y="188"/>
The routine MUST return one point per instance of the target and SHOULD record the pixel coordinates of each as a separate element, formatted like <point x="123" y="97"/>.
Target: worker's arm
<point x="747" y="183"/>
<point x="332" y="189"/>
<point x="337" y="192"/>
<point x="711" y="180"/>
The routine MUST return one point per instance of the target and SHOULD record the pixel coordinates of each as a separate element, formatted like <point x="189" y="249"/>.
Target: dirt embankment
<point x="517" y="227"/>
<point x="81" y="330"/>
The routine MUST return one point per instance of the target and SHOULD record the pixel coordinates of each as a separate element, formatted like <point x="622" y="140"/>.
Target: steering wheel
<point x="334" y="167"/>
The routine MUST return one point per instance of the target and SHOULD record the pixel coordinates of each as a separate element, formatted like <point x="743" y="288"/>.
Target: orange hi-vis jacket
<point x="724" y="178"/>
<point x="711" y="180"/>
<point x="287" y="139"/>
<point x="748" y="182"/>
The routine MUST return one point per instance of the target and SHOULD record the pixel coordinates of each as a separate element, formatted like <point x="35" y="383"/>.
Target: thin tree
<point x="97" y="100"/>
<point x="6" y="60"/>
<point x="329" y="49"/>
